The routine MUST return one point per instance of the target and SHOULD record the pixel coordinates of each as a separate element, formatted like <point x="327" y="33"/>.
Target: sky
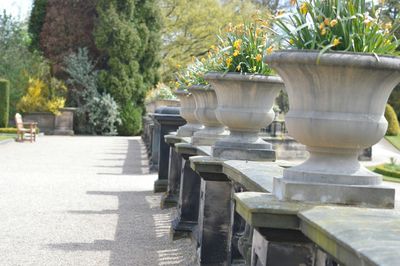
<point x="17" y="8"/>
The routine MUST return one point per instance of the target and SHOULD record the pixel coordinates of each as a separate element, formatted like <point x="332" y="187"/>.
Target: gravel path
<point x="83" y="201"/>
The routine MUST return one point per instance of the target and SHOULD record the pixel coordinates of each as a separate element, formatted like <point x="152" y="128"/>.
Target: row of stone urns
<point x="336" y="101"/>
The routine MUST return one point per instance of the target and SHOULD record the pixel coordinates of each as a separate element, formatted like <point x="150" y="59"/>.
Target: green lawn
<point x="4" y="137"/>
<point x="395" y="140"/>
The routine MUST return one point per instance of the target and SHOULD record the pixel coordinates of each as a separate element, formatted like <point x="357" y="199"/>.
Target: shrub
<point x="128" y="34"/>
<point x="103" y="114"/>
<point x="4" y="102"/>
<point x="96" y="113"/>
<point x="393" y="122"/>
<point x="387" y="171"/>
<point x="160" y="92"/>
<point x="43" y="97"/>
<point x="131" y="117"/>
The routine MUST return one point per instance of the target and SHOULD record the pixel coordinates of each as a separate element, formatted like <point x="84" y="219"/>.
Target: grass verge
<point x="394" y="140"/>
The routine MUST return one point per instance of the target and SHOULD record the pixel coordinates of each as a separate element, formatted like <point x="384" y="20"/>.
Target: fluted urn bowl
<point x="187" y="111"/>
<point x="337" y="102"/>
<point x="206" y="104"/>
<point x="245" y="103"/>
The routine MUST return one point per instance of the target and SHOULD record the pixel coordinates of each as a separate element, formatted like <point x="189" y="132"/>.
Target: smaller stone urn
<point x="245" y="103"/>
<point x="206" y="104"/>
<point x="337" y="101"/>
<point x="187" y="111"/>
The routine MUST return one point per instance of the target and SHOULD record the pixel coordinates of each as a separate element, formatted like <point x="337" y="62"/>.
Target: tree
<point x="17" y="62"/>
<point x="191" y="27"/>
<point x="68" y="25"/>
<point x="128" y="35"/>
<point x="36" y="21"/>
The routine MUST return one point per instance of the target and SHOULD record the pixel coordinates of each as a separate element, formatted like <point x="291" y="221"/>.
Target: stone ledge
<point x="355" y="236"/>
<point x="263" y="210"/>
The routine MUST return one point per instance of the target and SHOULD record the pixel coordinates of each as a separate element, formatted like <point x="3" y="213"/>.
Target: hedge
<point x="12" y="130"/>
<point x="393" y="122"/>
<point x="4" y="102"/>
<point x="380" y="169"/>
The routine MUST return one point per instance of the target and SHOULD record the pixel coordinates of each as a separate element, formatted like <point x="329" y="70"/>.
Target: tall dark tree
<point x="36" y="21"/>
<point x="68" y="25"/>
<point x="128" y="34"/>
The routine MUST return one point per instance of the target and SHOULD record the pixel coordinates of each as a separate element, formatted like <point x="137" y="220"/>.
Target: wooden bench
<point x="22" y="130"/>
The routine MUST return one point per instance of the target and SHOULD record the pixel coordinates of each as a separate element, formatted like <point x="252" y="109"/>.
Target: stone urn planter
<point x="336" y="109"/>
<point x="244" y="106"/>
<point x="187" y="111"/>
<point x="153" y="105"/>
<point x="206" y="104"/>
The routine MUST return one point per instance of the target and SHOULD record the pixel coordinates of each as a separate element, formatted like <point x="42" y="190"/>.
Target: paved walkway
<point x="83" y="201"/>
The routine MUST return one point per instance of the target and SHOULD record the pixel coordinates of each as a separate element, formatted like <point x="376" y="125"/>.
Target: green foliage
<point x="391" y="117"/>
<point x="127" y="33"/>
<point x="394" y="100"/>
<point x="390" y="169"/>
<point x="103" y="114"/>
<point x="36" y="21"/>
<point x="193" y="74"/>
<point x="190" y="30"/>
<point x="338" y="25"/>
<point x="242" y="47"/>
<point x="4" y="102"/>
<point x="42" y="96"/>
<point x="17" y="63"/>
<point x="131" y="118"/>
<point x="96" y="113"/>
<point x="160" y="92"/>
<point x="12" y="130"/>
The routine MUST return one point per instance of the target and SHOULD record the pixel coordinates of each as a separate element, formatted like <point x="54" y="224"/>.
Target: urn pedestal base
<point x="208" y="136"/>
<point x="243" y="146"/>
<point x="188" y="130"/>
<point x="362" y="195"/>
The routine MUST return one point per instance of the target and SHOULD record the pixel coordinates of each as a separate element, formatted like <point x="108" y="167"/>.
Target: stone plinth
<point x="168" y="121"/>
<point x="171" y="197"/>
<point x="186" y="221"/>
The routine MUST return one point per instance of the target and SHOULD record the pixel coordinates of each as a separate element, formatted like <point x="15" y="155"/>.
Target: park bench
<point x="22" y="130"/>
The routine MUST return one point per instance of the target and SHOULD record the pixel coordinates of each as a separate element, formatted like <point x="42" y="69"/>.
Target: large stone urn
<point x="206" y="104"/>
<point x="337" y="104"/>
<point x="187" y="111"/>
<point x="244" y="106"/>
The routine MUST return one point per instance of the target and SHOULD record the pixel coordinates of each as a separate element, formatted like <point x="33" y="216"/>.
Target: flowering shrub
<point x="241" y="49"/>
<point x="160" y="92"/>
<point x="342" y="25"/>
<point x="43" y="97"/>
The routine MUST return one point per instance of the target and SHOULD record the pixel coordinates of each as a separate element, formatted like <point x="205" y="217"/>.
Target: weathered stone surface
<point x="170" y="198"/>
<point x="215" y="223"/>
<point x="187" y="111"/>
<point x="265" y="211"/>
<point x="355" y="236"/>
<point x="282" y="247"/>
<point x="254" y="176"/>
<point x="373" y="196"/>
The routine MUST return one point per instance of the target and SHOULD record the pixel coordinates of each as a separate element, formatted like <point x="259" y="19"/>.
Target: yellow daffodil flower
<point x="336" y="42"/>
<point x="304" y="8"/>
<point x="258" y="57"/>
<point x="333" y="23"/>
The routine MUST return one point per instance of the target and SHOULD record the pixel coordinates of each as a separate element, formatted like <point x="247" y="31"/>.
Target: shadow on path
<point x="134" y="162"/>
<point x="142" y="232"/>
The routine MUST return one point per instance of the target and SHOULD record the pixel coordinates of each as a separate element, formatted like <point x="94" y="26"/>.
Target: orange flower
<point x="258" y="57"/>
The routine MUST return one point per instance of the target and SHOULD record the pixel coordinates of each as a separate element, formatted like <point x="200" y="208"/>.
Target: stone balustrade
<point x="228" y="209"/>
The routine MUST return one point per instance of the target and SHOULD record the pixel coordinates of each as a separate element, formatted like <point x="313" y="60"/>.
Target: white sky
<point x="17" y="8"/>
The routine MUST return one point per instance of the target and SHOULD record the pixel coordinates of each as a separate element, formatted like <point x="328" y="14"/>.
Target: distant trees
<point x="36" y="21"/>
<point x="191" y="27"/>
